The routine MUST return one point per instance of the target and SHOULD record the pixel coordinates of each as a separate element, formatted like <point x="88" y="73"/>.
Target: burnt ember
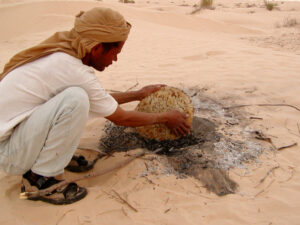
<point x="170" y="146"/>
<point x="119" y="138"/>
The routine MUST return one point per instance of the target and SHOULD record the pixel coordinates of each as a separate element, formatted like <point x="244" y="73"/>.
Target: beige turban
<point x="95" y="26"/>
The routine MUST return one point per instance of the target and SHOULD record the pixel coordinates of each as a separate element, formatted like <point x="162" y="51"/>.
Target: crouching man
<point x="47" y="92"/>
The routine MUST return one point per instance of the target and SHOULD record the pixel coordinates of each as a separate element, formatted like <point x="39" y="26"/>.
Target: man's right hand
<point x="176" y="121"/>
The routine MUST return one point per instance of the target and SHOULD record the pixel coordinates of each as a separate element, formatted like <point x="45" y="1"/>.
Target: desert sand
<point x="238" y="53"/>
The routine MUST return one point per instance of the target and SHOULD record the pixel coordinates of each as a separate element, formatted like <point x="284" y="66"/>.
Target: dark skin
<point x="99" y="59"/>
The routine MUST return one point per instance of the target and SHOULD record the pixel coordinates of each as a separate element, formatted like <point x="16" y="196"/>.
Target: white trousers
<point x="47" y="140"/>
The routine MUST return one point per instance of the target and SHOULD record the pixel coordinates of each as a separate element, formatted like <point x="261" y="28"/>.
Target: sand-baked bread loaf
<point x="164" y="100"/>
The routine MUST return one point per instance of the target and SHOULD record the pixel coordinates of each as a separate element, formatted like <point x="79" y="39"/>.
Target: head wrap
<point x="95" y="26"/>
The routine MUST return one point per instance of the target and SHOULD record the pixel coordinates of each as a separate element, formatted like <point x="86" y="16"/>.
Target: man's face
<point x="100" y="59"/>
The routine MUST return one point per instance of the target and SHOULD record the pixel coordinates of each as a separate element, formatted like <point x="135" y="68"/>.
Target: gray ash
<point x="170" y="146"/>
<point x="186" y="156"/>
<point x="218" y="141"/>
<point x="120" y="138"/>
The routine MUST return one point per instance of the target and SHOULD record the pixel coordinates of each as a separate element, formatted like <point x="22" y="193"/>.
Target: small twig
<point x="124" y="201"/>
<point x="63" y="183"/>
<point x="150" y="181"/>
<point x="156" y="151"/>
<point x="146" y="165"/>
<point x="197" y="9"/>
<point x="291" y="176"/>
<point x="239" y="106"/>
<point x="258" y="193"/>
<point x="261" y="136"/>
<point x="137" y="83"/>
<point x="270" y="184"/>
<point x="25" y="195"/>
<point x="264" y="188"/>
<point x="110" y="154"/>
<point x="289" y="130"/>
<point x="288" y="146"/>
<point x="193" y="95"/>
<point x="167" y="210"/>
<point x="125" y="213"/>
<point x="287" y="105"/>
<point x="255" y="118"/>
<point x="60" y="219"/>
<point x="267" y="174"/>
<point x="115" y="91"/>
<point x="103" y="145"/>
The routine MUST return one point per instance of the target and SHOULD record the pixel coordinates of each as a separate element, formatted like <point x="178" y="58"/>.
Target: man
<point x="47" y="93"/>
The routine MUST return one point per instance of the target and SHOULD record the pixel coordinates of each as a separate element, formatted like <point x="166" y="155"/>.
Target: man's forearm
<point x="124" y="97"/>
<point x="135" y="119"/>
<point x="174" y="120"/>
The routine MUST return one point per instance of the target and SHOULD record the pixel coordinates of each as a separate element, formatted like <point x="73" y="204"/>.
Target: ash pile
<point x="219" y="140"/>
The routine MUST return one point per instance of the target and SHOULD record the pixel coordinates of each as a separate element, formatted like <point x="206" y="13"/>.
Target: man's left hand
<point x="147" y="90"/>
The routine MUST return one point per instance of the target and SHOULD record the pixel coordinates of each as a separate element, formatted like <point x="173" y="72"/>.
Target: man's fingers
<point x="187" y="126"/>
<point x="182" y="130"/>
<point x="175" y="132"/>
<point x="186" y="129"/>
<point x="179" y="125"/>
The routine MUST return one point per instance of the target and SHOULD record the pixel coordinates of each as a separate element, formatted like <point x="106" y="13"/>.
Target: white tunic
<point x="30" y="85"/>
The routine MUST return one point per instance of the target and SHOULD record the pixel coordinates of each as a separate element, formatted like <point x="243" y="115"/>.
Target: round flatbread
<point x="164" y="100"/>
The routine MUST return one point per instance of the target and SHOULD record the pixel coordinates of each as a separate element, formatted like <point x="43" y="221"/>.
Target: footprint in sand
<point x="204" y="56"/>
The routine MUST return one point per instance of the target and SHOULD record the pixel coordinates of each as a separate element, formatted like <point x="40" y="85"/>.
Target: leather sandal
<point x="80" y="164"/>
<point x="61" y="196"/>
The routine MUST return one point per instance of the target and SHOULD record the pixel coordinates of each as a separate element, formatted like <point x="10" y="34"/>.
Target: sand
<point x="239" y="53"/>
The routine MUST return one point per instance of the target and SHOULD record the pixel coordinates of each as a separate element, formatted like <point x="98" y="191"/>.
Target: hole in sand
<point x="220" y="140"/>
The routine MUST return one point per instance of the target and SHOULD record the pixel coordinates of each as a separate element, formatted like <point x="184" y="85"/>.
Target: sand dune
<point x="235" y="54"/>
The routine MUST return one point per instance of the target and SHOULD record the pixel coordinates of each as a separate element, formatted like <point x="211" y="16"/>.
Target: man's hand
<point x="147" y="90"/>
<point x="124" y="97"/>
<point x="176" y="121"/>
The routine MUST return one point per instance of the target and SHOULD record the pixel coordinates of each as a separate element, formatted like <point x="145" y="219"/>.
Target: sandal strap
<point x="40" y="182"/>
<point x="80" y="164"/>
<point x="82" y="161"/>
